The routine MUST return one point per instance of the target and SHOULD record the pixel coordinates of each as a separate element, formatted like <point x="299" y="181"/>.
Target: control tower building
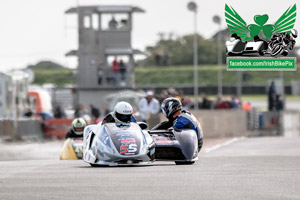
<point x="105" y="55"/>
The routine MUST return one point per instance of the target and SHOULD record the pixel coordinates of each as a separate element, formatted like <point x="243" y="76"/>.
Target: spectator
<point x="234" y="103"/>
<point x="28" y="113"/>
<point x="100" y="72"/>
<point x="44" y="115"/>
<point x="106" y="110"/>
<point x="122" y="67"/>
<point x="157" y="58"/>
<point x="148" y="106"/>
<point x="222" y="104"/>
<point x="80" y="111"/>
<point x="95" y="113"/>
<point x="76" y="112"/>
<point x="272" y="97"/>
<point x="123" y="24"/>
<point x="59" y="112"/>
<point x="247" y="106"/>
<point x="163" y="95"/>
<point x="172" y="92"/>
<point x="216" y="102"/>
<point x="112" y="24"/>
<point x="115" y="70"/>
<point x="185" y="101"/>
<point x="205" y="104"/>
<point x="279" y="103"/>
<point x="165" y="59"/>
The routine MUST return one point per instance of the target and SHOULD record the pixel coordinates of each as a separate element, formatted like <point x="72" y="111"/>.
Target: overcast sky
<point x="34" y="30"/>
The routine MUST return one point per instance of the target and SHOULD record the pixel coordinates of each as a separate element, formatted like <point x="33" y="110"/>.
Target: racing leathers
<point x="72" y="134"/>
<point x="110" y="118"/>
<point x="185" y="120"/>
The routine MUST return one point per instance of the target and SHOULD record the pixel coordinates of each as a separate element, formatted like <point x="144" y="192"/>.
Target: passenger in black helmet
<point x="179" y="119"/>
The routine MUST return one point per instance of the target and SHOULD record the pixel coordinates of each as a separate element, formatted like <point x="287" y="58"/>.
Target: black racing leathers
<point x="72" y="134"/>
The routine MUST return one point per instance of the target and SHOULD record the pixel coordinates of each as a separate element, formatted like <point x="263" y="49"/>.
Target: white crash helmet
<point x="123" y="111"/>
<point x="294" y="33"/>
<point x="78" y="125"/>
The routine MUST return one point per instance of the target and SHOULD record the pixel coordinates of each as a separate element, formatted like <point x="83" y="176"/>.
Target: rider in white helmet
<point x="122" y="113"/>
<point x="76" y="131"/>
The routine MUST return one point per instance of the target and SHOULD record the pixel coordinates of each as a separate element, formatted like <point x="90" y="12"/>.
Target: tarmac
<point x="236" y="168"/>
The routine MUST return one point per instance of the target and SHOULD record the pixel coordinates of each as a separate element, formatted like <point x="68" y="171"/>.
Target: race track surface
<point x="245" y="168"/>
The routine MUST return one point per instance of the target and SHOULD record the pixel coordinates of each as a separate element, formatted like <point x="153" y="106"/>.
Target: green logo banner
<point x="261" y="64"/>
<point x="238" y="25"/>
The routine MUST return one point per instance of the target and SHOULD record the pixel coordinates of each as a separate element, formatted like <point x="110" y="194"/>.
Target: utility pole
<point x="192" y="6"/>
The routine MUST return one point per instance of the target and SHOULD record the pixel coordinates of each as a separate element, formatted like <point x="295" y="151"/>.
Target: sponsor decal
<point x="128" y="145"/>
<point x="128" y="149"/>
<point x="163" y="142"/>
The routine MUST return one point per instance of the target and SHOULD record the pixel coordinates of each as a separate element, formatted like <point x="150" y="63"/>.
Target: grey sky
<point x="35" y="30"/>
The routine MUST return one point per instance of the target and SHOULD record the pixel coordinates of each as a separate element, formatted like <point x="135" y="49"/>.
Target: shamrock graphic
<point x="260" y="21"/>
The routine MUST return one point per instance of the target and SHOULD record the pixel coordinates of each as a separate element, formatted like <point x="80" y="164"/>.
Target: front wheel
<point x="285" y="53"/>
<point x="184" y="162"/>
<point x="277" y="49"/>
<point x="261" y="53"/>
<point x="95" y="165"/>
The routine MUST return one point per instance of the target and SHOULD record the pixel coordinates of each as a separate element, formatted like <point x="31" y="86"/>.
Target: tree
<point x="45" y="65"/>
<point x="51" y="72"/>
<point x="180" y="50"/>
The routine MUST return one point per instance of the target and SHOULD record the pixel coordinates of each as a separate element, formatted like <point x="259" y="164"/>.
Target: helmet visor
<point x="78" y="129"/>
<point x="123" y="117"/>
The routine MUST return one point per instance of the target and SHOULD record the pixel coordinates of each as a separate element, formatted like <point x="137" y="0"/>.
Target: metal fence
<point x="265" y="123"/>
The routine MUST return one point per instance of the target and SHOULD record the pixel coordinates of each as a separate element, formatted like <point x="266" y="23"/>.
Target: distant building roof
<point x="122" y="51"/>
<point x="72" y="53"/>
<point x="112" y="51"/>
<point x="106" y="9"/>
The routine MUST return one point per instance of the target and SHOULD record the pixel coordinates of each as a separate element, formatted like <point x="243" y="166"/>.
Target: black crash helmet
<point x="170" y="106"/>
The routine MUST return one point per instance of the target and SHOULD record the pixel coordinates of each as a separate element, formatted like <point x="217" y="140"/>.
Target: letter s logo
<point x="124" y="149"/>
<point x="132" y="148"/>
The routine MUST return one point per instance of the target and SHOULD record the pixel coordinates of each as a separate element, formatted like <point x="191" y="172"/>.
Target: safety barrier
<point x="220" y="123"/>
<point x="21" y="129"/>
<point x="266" y="123"/>
<point x="56" y="127"/>
<point x="6" y="129"/>
<point x="223" y="123"/>
<point x="215" y="124"/>
<point x="236" y="123"/>
<point x="291" y="123"/>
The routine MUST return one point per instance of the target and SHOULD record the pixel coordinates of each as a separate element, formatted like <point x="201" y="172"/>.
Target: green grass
<point x="58" y="76"/>
<point x="264" y="97"/>
<point x="172" y="76"/>
<point x="250" y="97"/>
<point x="207" y="75"/>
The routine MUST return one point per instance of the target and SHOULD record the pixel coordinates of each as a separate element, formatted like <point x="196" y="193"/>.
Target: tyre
<point x="271" y="45"/>
<point x="276" y="50"/>
<point x="261" y="53"/>
<point x="285" y="53"/>
<point x="184" y="162"/>
<point x="94" y="165"/>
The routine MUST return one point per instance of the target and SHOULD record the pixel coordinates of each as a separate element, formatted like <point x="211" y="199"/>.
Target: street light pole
<point x="217" y="20"/>
<point x="281" y="75"/>
<point x="192" y="6"/>
<point x="195" y="61"/>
